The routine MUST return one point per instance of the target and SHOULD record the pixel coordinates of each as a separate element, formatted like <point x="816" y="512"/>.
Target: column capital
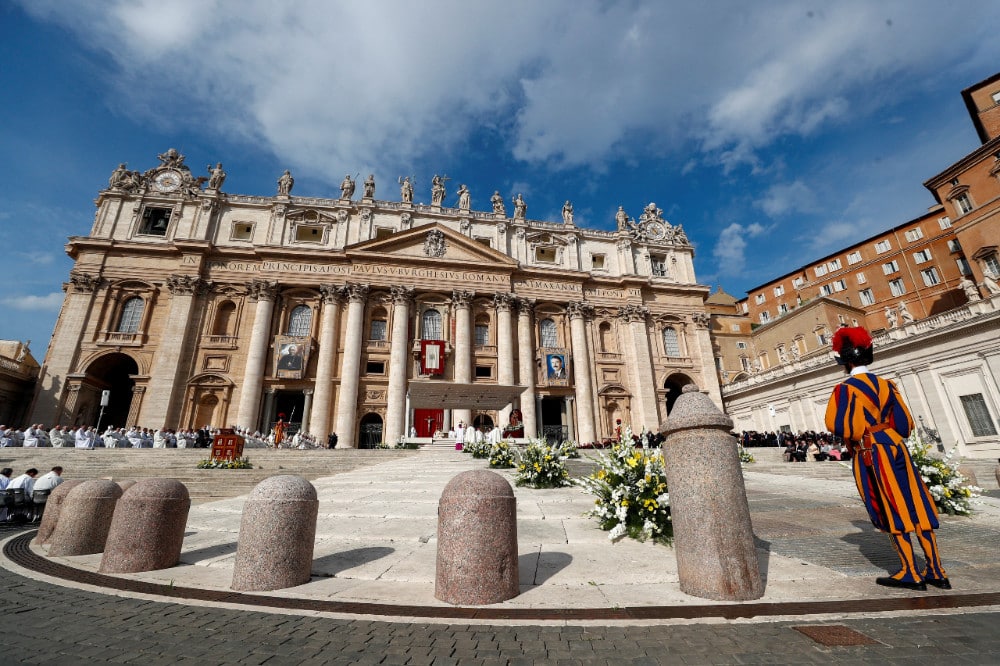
<point x="525" y="306"/>
<point x="701" y="319"/>
<point x="461" y="298"/>
<point x="356" y="293"/>
<point x="332" y="294"/>
<point x="187" y="284"/>
<point x="579" y="310"/>
<point x="262" y="290"/>
<point x="503" y="301"/>
<point x="401" y="295"/>
<point x="85" y="283"/>
<point x="633" y="313"/>
<point x="307" y="391"/>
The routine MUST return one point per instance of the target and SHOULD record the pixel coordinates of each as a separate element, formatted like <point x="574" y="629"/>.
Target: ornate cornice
<point x="579" y="310"/>
<point x="461" y="298"/>
<point x="85" y="283"/>
<point x="187" y="284"/>
<point x="701" y="319"/>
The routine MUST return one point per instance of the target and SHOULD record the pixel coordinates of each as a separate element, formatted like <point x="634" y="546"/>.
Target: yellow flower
<point x="601" y="474"/>
<point x="624" y="502"/>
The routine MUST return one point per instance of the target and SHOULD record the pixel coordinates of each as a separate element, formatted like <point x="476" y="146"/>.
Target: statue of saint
<point x="285" y="184"/>
<point x="904" y="313"/>
<point x="216" y="176"/>
<point x="890" y="317"/>
<point x="118" y="177"/>
<point x="520" y="207"/>
<point x="171" y="158"/>
<point x="970" y="289"/>
<point x="437" y="190"/>
<point x="621" y="217"/>
<point x="405" y="190"/>
<point x="464" y="198"/>
<point x="990" y="283"/>
<point x="567" y="212"/>
<point x="370" y="186"/>
<point x="347" y="187"/>
<point x="497" y="202"/>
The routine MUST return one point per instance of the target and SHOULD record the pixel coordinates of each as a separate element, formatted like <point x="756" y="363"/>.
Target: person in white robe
<point x="43" y="436"/>
<point x="146" y="439"/>
<point x="84" y="438"/>
<point x="55" y="437"/>
<point x="110" y="439"/>
<point x="18" y="437"/>
<point x="49" y="480"/>
<point x="159" y="441"/>
<point x="6" y="437"/>
<point x="5" y="475"/>
<point x="134" y="438"/>
<point x="459" y="436"/>
<point x="495" y="436"/>
<point x="26" y="481"/>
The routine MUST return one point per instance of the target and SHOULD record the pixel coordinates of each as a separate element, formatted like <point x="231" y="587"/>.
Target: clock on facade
<point x="655" y="231"/>
<point x="167" y="181"/>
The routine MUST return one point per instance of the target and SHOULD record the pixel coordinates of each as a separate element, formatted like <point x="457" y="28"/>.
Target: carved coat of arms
<point x="434" y="245"/>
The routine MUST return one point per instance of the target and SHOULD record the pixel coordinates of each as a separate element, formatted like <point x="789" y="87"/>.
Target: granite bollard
<point x="970" y="475"/>
<point x="147" y="529"/>
<point x="477" y="540"/>
<point x="52" y="510"/>
<point x="713" y="536"/>
<point x="277" y="535"/>
<point x="85" y="519"/>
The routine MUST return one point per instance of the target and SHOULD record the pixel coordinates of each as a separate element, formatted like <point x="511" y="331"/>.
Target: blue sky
<point x="775" y="132"/>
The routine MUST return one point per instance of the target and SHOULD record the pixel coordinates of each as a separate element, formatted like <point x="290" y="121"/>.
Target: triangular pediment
<point x="431" y="243"/>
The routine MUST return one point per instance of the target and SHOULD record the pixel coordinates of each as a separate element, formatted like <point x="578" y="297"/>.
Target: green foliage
<point x="745" y="456"/>
<point x="569" y="449"/>
<point x="219" y="463"/>
<point x="477" y="449"/>
<point x="501" y="456"/>
<point x="631" y="489"/>
<point x="946" y="484"/>
<point x="539" y="466"/>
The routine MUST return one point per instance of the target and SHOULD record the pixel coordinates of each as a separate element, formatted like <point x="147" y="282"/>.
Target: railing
<point x="117" y="338"/>
<point x="220" y="341"/>
<point x="378" y="344"/>
<point x="486" y="349"/>
<point x="610" y="357"/>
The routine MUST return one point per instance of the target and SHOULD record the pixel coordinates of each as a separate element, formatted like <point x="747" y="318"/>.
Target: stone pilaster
<point x="462" y="302"/>
<point x="265" y="293"/>
<point x="395" y="422"/>
<point x="322" y="406"/>
<point x="163" y="406"/>
<point x="644" y="411"/>
<point x="505" y="348"/>
<point x="578" y="313"/>
<point x="526" y="365"/>
<point x="350" y="373"/>
<point x="74" y="319"/>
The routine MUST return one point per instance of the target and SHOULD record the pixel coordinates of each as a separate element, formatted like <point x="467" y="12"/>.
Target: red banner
<point x="432" y="357"/>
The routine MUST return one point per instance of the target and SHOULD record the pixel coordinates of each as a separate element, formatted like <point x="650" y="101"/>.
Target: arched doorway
<point x="113" y="373"/>
<point x="206" y="409"/>
<point x="370" y="432"/>
<point x="483" y="422"/>
<point x="673" y="386"/>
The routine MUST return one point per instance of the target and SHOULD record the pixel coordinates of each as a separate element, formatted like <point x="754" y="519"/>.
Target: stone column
<point x="268" y="414"/>
<point x="264" y="293"/>
<point x="505" y="349"/>
<point x="322" y="406"/>
<point x="307" y="410"/>
<point x="350" y="372"/>
<point x="581" y="369"/>
<point x="526" y="365"/>
<point x="568" y="410"/>
<point x="395" y="421"/>
<point x="462" y="302"/>
<point x="644" y="411"/>
<point x="74" y="319"/>
<point x="163" y="405"/>
<point x="136" y="405"/>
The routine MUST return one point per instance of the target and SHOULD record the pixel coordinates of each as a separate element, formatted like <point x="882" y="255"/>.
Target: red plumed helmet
<point x="852" y="344"/>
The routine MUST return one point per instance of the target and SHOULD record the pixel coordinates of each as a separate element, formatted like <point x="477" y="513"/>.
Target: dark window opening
<point x="155" y="221"/>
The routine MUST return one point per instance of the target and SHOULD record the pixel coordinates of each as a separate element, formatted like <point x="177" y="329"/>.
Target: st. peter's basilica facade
<point x="370" y="318"/>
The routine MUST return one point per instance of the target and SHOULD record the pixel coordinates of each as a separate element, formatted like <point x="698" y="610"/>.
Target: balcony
<point x="610" y="357"/>
<point x="219" y="341"/>
<point x="117" y="339"/>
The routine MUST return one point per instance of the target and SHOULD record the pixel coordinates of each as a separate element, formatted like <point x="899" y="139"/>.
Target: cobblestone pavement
<point x="46" y="624"/>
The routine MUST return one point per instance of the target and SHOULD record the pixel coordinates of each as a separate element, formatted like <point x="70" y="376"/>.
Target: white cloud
<point x="785" y="198"/>
<point x="730" y="249"/>
<point x="47" y="303"/>
<point x="380" y="86"/>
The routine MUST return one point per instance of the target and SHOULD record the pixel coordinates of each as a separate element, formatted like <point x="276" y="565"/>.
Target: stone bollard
<point x="713" y="537"/>
<point x="147" y="530"/>
<point x="477" y="540"/>
<point x="277" y="535"/>
<point x="52" y="509"/>
<point x="85" y="519"/>
<point x="125" y="484"/>
<point x="970" y="475"/>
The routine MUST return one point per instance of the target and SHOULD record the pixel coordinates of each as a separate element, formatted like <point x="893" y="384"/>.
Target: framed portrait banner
<point x="556" y="369"/>
<point x="432" y="357"/>
<point x="291" y="356"/>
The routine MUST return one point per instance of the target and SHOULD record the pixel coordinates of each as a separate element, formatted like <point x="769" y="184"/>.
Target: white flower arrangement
<point x="539" y="466"/>
<point x="950" y="488"/>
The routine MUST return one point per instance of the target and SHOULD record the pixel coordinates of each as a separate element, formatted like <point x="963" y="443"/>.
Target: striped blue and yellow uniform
<point x="869" y="412"/>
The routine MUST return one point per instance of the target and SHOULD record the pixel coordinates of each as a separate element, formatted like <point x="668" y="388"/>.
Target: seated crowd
<point x="30" y="502"/>
<point x="87" y="437"/>
<point x="800" y="447"/>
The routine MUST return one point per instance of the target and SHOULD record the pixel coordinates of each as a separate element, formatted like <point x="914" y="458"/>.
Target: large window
<point x="991" y="264"/>
<point x="430" y="325"/>
<point x="861" y="278"/>
<point x="854" y="257"/>
<point x="944" y="222"/>
<point x="670" y="342"/>
<point x="779" y="290"/>
<point x="820" y="270"/>
<point x="659" y="265"/>
<point x="890" y="267"/>
<point x="225" y="319"/>
<point x="930" y="277"/>
<point x="883" y="246"/>
<point x="914" y="234"/>
<point x="131" y="315"/>
<point x="897" y="287"/>
<point x="922" y="256"/>
<point x="978" y="415"/>
<point x="963" y="203"/>
<point x="378" y="330"/>
<point x="547" y="331"/>
<point x="867" y="298"/>
<point x="765" y="317"/>
<point x="482" y="335"/>
<point x="299" y="321"/>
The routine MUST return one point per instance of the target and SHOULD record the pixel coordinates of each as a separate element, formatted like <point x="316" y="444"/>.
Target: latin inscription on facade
<point x="361" y="270"/>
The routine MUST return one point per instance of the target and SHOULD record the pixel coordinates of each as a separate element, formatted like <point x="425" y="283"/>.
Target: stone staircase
<point x="204" y="485"/>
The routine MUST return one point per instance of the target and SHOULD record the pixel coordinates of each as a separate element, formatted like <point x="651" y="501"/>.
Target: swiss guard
<point x="870" y="415"/>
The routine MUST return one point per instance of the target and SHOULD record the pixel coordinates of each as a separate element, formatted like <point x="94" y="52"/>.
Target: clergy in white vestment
<point x="110" y="439"/>
<point x="31" y="438"/>
<point x="50" y="480"/>
<point x="26" y="481"/>
<point x="55" y="437"/>
<point x="6" y="437"/>
<point x="495" y="436"/>
<point x="83" y="438"/>
<point x="134" y="438"/>
<point x="159" y="442"/>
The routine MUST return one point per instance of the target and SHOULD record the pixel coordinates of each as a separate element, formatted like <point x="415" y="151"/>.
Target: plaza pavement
<point x="376" y="547"/>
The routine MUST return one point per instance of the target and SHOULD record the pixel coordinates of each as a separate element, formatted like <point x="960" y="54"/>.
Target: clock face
<point x="167" y="181"/>
<point x="655" y="230"/>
